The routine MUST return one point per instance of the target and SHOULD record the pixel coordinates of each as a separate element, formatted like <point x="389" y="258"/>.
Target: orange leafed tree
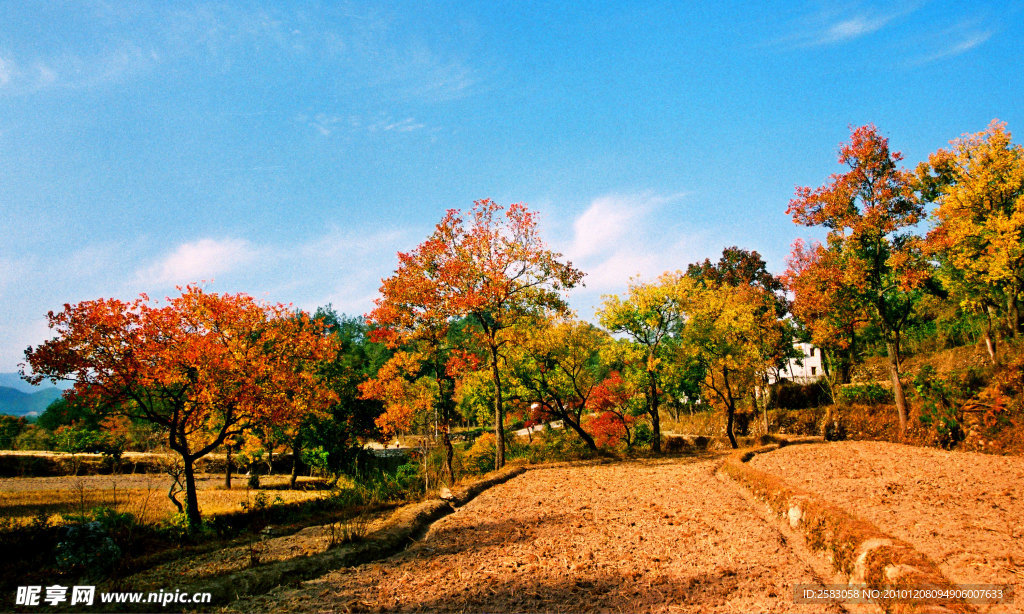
<point x="829" y="309"/>
<point x="202" y="366"/>
<point x="411" y="385"/>
<point x="868" y="211"/>
<point x="490" y="266"/>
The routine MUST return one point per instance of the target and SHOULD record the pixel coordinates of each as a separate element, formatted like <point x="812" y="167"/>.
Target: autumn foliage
<point x="489" y="266"/>
<point x="978" y="184"/>
<point x="871" y="261"/>
<point x="201" y="367"/>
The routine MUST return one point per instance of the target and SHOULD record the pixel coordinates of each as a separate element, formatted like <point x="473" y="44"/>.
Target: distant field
<point x="144" y="495"/>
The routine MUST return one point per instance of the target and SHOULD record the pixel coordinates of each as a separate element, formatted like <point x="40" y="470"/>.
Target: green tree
<point x="352" y="418"/>
<point x="649" y="315"/>
<point x="554" y="365"/>
<point x="734" y="333"/>
<point x="10" y="428"/>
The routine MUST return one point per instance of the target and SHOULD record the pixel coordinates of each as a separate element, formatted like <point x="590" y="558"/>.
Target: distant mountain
<point x="17" y="403"/>
<point x="13" y="380"/>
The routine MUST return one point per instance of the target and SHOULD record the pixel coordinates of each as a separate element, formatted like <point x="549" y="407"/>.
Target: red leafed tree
<point x="202" y="367"/>
<point x="868" y="211"/>
<point x="611" y="400"/>
<point x="490" y="266"/>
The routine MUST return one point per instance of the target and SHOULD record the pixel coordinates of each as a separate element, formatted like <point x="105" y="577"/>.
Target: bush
<point x="479" y="458"/>
<point x="941" y="400"/>
<point x="557" y="445"/>
<point x="33" y="438"/>
<point x="865" y="394"/>
<point x="801" y="396"/>
<point x="643" y="434"/>
<point x="87" y="549"/>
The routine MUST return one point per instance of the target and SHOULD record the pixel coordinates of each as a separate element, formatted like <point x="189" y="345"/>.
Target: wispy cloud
<point x="956" y="41"/>
<point x="355" y="265"/>
<point x="197" y="261"/>
<point x="372" y="51"/>
<point x="5" y="72"/>
<point x="75" y="71"/>
<point x="835" y="27"/>
<point x="849" y="29"/>
<point x="327" y="124"/>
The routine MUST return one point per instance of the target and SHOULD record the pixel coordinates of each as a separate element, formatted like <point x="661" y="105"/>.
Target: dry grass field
<point x="143" y="495"/>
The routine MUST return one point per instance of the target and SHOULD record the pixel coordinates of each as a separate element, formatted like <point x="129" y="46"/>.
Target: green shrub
<point x="865" y="394"/>
<point x="643" y="434"/>
<point x="316" y="457"/>
<point x="941" y="399"/>
<point x="87" y="549"/>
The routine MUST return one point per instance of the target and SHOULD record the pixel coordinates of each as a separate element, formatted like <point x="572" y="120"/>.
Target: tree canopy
<point x="201" y="367"/>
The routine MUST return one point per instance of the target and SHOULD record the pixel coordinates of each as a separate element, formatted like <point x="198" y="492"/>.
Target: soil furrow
<point x="658" y="536"/>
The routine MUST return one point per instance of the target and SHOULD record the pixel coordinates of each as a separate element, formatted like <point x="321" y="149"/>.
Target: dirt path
<point x="963" y="510"/>
<point x="641" y="536"/>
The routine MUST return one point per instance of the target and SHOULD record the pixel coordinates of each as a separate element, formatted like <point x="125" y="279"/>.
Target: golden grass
<point x="144" y="496"/>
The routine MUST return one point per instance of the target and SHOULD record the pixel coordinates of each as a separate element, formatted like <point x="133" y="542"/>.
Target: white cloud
<point x="201" y="260"/>
<point x="326" y="123"/>
<point x="965" y="41"/>
<point x="5" y="72"/>
<point x="350" y="266"/>
<point x="405" y="125"/>
<point x="605" y="222"/>
<point x="856" y="27"/>
<point x="622" y="236"/>
<point x="832" y="26"/>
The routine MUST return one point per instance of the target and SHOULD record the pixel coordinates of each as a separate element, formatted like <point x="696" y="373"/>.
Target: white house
<point x="806" y="370"/>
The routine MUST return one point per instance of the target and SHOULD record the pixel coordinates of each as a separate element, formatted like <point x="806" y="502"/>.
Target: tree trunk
<point x="295" y="465"/>
<point x="499" y="412"/>
<point x="765" y="400"/>
<point x="585" y="436"/>
<point x="1012" y="312"/>
<point x="654" y="411"/>
<point x="191" y="500"/>
<point x="990" y="342"/>
<point x="730" y="419"/>
<point x="227" y="467"/>
<point x="730" y="409"/>
<point x="897" y="386"/>
<point x="449" y="454"/>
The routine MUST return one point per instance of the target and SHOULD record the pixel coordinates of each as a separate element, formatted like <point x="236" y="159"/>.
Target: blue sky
<point x="288" y="150"/>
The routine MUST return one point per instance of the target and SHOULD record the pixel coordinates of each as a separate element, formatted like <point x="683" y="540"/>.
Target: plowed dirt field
<point x="963" y="510"/>
<point x="656" y="536"/>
